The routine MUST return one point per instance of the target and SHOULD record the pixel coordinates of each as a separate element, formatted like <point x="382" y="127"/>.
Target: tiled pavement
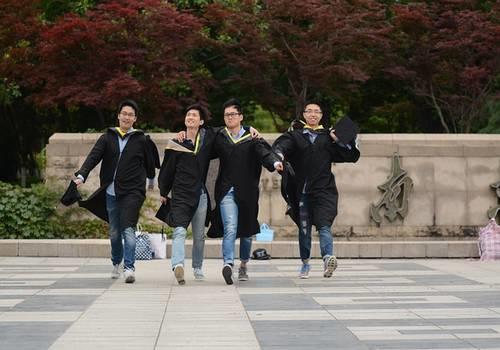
<point x="61" y="303"/>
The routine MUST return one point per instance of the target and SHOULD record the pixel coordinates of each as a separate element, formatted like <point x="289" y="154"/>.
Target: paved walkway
<point x="58" y="303"/>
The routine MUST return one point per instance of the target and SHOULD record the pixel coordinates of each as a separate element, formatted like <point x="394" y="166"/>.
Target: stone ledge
<point x="277" y="249"/>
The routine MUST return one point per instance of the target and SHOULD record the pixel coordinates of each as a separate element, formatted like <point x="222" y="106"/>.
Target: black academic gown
<point x="183" y="173"/>
<point x="136" y="163"/>
<point x="312" y="163"/>
<point x="240" y="167"/>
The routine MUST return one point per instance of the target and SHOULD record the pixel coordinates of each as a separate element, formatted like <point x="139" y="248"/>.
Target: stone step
<point x="277" y="249"/>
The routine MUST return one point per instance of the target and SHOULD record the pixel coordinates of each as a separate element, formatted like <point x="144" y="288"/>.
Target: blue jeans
<point x="229" y="215"/>
<point x="198" y="227"/>
<point x="120" y="236"/>
<point x="305" y="228"/>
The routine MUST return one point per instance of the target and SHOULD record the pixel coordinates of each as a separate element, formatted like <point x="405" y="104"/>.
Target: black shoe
<point x="227" y="273"/>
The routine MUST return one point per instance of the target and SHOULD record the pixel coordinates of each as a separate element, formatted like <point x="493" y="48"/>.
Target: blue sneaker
<point x="304" y="271"/>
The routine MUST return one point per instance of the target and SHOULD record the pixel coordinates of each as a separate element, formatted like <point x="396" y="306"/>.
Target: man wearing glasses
<point x="237" y="188"/>
<point x="126" y="160"/>
<point x="311" y="193"/>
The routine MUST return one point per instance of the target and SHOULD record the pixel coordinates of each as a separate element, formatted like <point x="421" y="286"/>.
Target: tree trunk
<point x="438" y="110"/>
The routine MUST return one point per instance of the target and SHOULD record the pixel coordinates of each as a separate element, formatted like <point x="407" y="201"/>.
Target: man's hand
<point x="181" y="136"/>
<point x="255" y="134"/>
<point x="163" y="200"/>
<point x="77" y="181"/>
<point x="333" y="136"/>
<point x="278" y="166"/>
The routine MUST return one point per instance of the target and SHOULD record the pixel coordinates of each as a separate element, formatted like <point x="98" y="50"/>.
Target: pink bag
<point x="489" y="241"/>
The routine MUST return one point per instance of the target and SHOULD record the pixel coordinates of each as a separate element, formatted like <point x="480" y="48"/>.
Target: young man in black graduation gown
<point x="237" y="188"/>
<point x="126" y="161"/>
<point x="311" y="193"/>
<point x="183" y="174"/>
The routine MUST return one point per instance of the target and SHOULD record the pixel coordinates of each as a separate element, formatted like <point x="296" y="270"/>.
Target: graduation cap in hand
<point x="346" y="130"/>
<point x="163" y="211"/>
<point x="71" y="195"/>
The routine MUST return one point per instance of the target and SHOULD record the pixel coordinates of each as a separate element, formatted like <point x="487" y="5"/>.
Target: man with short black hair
<point x="237" y="188"/>
<point x="126" y="160"/>
<point x="311" y="193"/>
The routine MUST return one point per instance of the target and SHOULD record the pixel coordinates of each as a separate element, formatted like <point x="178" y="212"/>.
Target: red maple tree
<point x="286" y="50"/>
<point x="449" y="53"/>
<point x="121" y="49"/>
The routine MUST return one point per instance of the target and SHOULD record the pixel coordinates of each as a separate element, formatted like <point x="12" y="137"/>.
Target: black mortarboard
<point x="261" y="254"/>
<point x="71" y="195"/>
<point x="346" y="130"/>
<point x="163" y="211"/>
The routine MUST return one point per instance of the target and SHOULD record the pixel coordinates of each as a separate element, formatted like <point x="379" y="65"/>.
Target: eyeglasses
<point x="125" y="114"/>
<point x="313" y="111"/>
<point x="231" y="115"/>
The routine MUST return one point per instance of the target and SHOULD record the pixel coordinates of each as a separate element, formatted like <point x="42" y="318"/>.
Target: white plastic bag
<point x="159" y="245"/>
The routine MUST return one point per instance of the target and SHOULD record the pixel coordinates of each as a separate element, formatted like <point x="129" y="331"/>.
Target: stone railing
<point x="446" y="180"/>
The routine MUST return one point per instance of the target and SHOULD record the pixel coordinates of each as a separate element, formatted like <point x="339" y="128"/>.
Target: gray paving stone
<point x="279" y="302"/>
<point x="484" y="343"/>
<point x="443" y="279"/>
<point x="420" y="344"/>
<point x="83" y="283"/>
<point x="268" y="282"/>
<point x="95" y="268"/>
<point x="51" y="303"/>
<point x="293" y="319"/>
<point x="30" y="335"/>
<point x="305" y="335"/>
<point x="480" y="299"/>
<point x="410" y="266"/>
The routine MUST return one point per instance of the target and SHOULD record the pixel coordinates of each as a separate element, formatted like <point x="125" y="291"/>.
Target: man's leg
<point x="198" y="227"/>
<point x="129" y="256"/>
<point x="229" y="215"/>
<point x="115" y="236"/>
<point x="178" y="253"/>
<point x="304" y="237"/>
<point x="326" y="246"/>
<point x="245" y="248"/>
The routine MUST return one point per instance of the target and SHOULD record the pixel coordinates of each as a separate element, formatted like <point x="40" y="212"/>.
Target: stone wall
<point x="451" y="177"/>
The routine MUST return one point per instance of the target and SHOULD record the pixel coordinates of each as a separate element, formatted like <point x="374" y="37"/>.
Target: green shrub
<point x="26" y="212"/>
<point x="31" y="213"/>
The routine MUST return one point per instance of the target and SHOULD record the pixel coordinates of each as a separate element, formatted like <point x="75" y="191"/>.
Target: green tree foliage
<point x="52" y="9"/>
<point x="492" y="111"/>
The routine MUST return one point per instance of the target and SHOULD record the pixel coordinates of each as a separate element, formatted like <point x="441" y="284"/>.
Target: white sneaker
<point x="198" y="274"/>
<point x="129" y="276"/>
<point x="117" y="271"/>
<point x="330" y="265"/>
<point x="179" y="274"/>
